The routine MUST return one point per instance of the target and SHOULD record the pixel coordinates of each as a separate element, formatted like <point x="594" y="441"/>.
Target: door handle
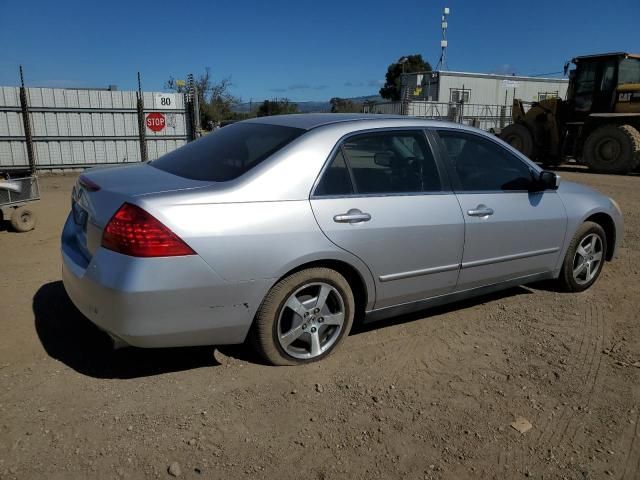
<point x="352" y="216"/>
<point x="480" y="211"/>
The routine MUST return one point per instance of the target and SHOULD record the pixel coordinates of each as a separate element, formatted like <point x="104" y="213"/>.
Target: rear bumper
<point x="159" y="302"/>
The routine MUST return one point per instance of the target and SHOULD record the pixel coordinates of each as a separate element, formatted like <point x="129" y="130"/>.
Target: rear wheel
<point x="304" y="317"/>
<point x="584" y="259"/>
<point x="520" y="138"/>
<point x="23" y="219"/>
<point x="612" y="149"/>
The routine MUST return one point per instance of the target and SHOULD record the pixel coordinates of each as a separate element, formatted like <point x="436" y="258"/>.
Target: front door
<point x="511" y="230"/>
<point x="382" y="198"/>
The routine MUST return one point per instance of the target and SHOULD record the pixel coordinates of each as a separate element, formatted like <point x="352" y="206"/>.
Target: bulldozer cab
<point x="602" y="84"/>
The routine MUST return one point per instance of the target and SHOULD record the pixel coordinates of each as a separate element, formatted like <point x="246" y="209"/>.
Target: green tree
<point x="277" y="107"/>
<point x="215" y="98"/>
<point x="344" y="105"/>
<point x="392" y="88"/>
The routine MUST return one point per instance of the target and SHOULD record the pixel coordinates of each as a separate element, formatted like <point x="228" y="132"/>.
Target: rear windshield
<point x="228" y="152"/>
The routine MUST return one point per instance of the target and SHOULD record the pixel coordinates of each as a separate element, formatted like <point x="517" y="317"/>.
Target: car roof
<point x="307" y="121"/>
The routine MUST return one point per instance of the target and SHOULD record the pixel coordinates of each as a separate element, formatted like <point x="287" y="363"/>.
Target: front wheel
<point x="584" y="259"/>
<point x="304" y="317"/>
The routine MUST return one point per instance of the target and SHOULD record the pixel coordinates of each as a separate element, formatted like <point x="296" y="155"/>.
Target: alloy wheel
<point x="587" y="260"/>
<point x="311" y="320"/>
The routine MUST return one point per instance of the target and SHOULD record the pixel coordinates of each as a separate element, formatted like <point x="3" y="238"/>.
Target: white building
<point x="481" y="88"/>
<point x="479" y="99"/>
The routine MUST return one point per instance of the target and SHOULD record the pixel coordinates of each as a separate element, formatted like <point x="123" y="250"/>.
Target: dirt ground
<point x="425" y="396"/>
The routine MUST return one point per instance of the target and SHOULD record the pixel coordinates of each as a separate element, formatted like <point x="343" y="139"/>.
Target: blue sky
<point x="297" y="49"/>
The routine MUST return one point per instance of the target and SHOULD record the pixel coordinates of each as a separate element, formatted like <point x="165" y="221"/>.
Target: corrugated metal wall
<point x="79" y="128"/>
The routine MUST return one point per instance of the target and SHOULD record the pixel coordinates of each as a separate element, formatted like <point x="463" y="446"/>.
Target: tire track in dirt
<point x="594" y="360"/>
<point x="601" y="327"/>
<point x="554" y="428"/>
<point x="632" y="459"/>
<point x="409" y="351"/>
<point x="586" y="370"/>
<point x="552" y="421"/>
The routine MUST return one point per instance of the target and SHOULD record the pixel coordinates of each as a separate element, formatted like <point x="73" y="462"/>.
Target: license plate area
<point x="80" y="215"/>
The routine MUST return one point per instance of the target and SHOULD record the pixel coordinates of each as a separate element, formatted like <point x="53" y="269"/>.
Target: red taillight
<point x="134" y="232"/>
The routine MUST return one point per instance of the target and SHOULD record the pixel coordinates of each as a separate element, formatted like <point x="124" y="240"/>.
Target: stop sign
<point x="156" y="121"/>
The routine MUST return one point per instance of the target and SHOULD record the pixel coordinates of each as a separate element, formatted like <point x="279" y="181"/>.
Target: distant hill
<point x="307" y="107"/>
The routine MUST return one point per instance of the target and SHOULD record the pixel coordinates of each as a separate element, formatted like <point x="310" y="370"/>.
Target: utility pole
<point x="26" y="122"/>
<point x="142" y="132"/>
<point x="442" y="63"/>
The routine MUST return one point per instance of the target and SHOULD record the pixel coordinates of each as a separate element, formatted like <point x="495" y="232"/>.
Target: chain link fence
<point x="492" y="118"/>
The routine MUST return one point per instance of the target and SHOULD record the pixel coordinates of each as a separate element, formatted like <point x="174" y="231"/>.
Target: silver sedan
<point x="283" y="230"/>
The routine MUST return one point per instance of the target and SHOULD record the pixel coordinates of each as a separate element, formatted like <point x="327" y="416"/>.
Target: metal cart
<point x="15" y="196"/>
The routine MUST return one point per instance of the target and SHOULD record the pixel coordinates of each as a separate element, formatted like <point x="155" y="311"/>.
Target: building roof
<point x="495" y="76"/>
<point x="611" y="54"/>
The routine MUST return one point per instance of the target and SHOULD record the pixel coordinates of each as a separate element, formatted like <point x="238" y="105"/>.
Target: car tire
<point x="23" y="219"/>
<point x="582" y="266"/>
<point x="294" y="325"/>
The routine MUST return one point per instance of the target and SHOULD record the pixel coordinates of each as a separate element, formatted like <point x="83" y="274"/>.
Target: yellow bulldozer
<point x="598" y="124"/>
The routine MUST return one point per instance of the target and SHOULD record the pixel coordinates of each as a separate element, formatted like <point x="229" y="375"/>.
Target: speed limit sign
<point x="164" y="101"/>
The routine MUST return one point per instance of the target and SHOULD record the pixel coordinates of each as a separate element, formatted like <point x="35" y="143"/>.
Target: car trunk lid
<point x="99" y="193"/>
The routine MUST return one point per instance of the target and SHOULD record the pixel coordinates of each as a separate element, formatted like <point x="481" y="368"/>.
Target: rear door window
<point x="387" y="163"/>
<point x="227" y="153"/>
<point x="335" y="179"/>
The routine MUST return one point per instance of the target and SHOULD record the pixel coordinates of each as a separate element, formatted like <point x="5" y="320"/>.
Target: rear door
<point x="511" y="230"/>
<point x="384" y="198"/>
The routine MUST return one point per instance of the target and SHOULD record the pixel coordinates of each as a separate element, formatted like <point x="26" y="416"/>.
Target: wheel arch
<point x="608" y="225"/>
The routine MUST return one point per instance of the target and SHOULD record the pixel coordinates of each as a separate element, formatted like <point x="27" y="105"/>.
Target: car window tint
<point x="483" y="165"/>
<point x="392" y="162"/>
<point x="335" y="179"/>
<point x="227" y="153"/>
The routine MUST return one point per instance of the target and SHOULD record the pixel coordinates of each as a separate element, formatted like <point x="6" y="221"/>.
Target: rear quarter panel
<point x="249" y="241"/>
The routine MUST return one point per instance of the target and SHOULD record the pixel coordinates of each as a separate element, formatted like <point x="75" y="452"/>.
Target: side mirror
<point x="383" y="159"/>
<point x="549" y="180"/>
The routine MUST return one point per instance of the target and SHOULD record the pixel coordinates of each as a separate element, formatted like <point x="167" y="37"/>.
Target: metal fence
<point x="78" y="128"/>
<point x="487" y="117"/>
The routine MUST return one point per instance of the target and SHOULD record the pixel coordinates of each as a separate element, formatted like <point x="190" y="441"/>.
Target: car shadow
<point x="68" y="336"/>
<point x="363" y="327"/>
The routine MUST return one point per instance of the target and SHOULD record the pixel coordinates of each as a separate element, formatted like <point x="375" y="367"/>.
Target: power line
<point x="545" y="74"/>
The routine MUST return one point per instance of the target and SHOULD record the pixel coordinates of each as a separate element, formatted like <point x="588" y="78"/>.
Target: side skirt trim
<point x="402" y="309"/>
<point x="508" y="258"/>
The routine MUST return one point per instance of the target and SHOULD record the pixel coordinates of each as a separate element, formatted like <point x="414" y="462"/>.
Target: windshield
<point x="629" y="71"/>
<point x="227" y="153"/>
